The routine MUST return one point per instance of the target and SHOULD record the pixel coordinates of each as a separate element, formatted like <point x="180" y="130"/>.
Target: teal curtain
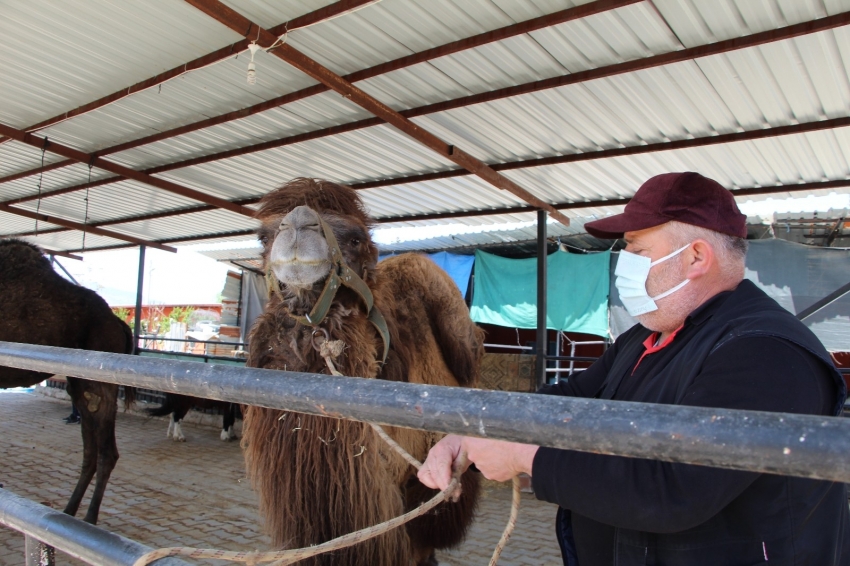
<point x="505" y="292"/>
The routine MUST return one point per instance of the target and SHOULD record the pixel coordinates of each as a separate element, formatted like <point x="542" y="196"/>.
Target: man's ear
<point x="701" y="259"/>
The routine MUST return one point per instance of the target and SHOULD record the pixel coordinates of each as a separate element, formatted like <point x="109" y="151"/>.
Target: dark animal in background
<point x="321" y="477"/>
<point x="38" y="306"/>
<point x="179" y="405"/>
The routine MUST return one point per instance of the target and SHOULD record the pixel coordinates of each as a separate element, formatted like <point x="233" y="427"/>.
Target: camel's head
<point x="295" y="218"/>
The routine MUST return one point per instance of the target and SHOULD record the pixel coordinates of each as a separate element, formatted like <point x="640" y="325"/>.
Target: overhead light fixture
<point x="252" y="68"/>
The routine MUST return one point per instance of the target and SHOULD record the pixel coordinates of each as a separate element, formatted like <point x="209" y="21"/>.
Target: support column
<point x="542" y="332"/>
<point x="137" y="321"/>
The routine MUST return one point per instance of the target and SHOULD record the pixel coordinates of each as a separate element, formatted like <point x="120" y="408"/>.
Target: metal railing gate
<point x="796" y="445"/>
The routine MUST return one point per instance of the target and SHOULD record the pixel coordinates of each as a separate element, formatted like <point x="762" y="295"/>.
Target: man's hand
<point x="436" y="471"/>
<point x="496" y="459"/>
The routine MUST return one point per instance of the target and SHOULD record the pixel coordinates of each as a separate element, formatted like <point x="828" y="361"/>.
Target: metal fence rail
<point x="73" y="536"/>
<point x="796" y="445"/>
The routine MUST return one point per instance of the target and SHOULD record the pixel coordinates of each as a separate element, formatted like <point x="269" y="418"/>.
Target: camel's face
<point x="299" y="255"/>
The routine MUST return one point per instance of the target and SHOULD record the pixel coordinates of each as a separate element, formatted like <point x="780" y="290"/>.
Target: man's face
<point x="655" y="243"/>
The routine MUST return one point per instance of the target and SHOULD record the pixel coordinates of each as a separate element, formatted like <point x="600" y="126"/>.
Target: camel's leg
<point x="103" y="416"/>
<point x="76" y="388"/>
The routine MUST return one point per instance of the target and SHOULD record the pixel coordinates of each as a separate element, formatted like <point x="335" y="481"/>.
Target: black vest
<point x="794" y="521"/>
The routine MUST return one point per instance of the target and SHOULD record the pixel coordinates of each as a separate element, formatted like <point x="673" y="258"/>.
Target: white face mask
<point x="632" y="272"/>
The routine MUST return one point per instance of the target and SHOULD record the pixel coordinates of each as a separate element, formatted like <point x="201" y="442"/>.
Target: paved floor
<point x="194" y="493"/>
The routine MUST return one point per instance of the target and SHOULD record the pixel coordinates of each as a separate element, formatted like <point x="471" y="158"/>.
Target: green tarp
<point x="505" y="292"/>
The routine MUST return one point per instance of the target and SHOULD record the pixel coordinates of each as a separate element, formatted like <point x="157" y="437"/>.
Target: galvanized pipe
<point x="794" y="445"/>
<point x="72" y="536"/>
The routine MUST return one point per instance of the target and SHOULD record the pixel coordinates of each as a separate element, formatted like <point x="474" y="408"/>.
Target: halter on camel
<point x="340" y="274"/>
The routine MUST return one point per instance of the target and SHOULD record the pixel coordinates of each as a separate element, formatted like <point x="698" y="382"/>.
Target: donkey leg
<point x="107" y="448"/>
<point x="177" y="435"/>
<point x="227" y="432"/>
<point x="181" y="404"/>
<point x="76" y="388"/>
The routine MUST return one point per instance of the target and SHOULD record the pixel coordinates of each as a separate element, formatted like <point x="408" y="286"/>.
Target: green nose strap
<point x="340" y="274"/>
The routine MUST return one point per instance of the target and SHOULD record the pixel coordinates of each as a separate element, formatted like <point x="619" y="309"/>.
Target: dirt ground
<point x="195" y="493"/>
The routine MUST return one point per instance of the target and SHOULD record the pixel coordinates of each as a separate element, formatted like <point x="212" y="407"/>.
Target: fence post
<point x="542" y="331"/>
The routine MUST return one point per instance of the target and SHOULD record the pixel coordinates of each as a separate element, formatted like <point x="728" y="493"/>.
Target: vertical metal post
<point x="37" y="553"/>
<point x="137" y="320"/>
<point x="558" y="355"/>
<point x="542" y="332"/>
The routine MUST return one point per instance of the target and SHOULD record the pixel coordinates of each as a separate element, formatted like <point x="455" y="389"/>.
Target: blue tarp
<point x="506" y="292"/>
<point x="459" y="267"/>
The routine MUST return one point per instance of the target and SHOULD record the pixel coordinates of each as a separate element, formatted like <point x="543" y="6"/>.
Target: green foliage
<point x="122" y="313"/>
<point x="181" y="314"/>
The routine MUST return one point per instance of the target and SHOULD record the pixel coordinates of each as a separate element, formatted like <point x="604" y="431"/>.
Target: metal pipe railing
<point x="72" y="536"/>
<point x="795" y="445"/>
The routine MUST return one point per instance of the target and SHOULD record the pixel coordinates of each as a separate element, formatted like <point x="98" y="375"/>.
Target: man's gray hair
<point x="732" y="250"/>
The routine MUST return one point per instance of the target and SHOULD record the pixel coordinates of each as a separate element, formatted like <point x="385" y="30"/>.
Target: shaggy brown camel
<point x="320" y="477"/>
<point x="38" y="306"/>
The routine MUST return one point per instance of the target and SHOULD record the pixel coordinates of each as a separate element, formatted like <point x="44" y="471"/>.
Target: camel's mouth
<point x="299" y="264"/>
<point x="281" y="263"/>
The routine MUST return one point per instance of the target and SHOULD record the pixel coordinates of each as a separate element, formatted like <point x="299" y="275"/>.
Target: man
<point x="706" y="337"/>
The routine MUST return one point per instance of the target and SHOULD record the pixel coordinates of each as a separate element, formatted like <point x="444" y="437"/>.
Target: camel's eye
<point x="355" y="241"/>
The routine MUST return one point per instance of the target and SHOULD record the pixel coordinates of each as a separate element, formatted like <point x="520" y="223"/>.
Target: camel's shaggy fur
<point x="38" y="306"/>
<point x="319" y="477"/>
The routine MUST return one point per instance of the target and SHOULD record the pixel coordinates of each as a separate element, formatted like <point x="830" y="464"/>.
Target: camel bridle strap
<point x="342" y="275"/>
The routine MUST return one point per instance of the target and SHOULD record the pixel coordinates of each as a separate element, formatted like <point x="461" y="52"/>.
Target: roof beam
<point x="82" y="227"/>
<point x="62" y="254"/>
<point x="314" y="17"/>
<point x="749" y="135"/>
<point x="238" y="23"/>
<point x="601" y="72"/>
<point x="506" y="32"/>
<point x="137" y="218"/>
<point x="748" y="191"/>
<point x="94" y="161"/>
<point x="177" y="240"/>
<point x="805" y="127"/>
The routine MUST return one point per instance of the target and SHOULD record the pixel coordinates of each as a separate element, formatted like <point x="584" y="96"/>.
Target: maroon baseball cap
<point x="684" y="197"/>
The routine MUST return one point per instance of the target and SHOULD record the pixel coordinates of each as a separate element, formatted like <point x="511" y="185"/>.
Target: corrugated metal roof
<point x="96" y="48"/>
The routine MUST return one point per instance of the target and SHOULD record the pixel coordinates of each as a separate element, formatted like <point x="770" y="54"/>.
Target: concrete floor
<point x="194" y="493"/>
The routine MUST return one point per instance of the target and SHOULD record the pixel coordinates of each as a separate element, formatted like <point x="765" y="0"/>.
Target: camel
<point x="38" y="306"/>
<point x="320" y="477"/>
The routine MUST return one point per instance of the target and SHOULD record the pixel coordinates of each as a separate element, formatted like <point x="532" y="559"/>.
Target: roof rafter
<point x="742" y="192"/>
<point x="93" y="161"/>
<point x="749" y="191"/>
<point x="747" y="135"/>
<point x="240" y="24"/>
<point x="527" y="26"/>
<point x="779" y="34"/>
<point x="83" y="227"/>
<point x="805" y="127"/>
<point x="314" y="17"/>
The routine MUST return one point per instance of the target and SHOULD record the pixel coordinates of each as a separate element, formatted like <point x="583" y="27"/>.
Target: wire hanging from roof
<point x="86" y="216"/>
<point x="40" y="176"/>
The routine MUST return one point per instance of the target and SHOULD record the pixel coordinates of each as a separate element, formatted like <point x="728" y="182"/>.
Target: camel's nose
<point x="300" y="217"/>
